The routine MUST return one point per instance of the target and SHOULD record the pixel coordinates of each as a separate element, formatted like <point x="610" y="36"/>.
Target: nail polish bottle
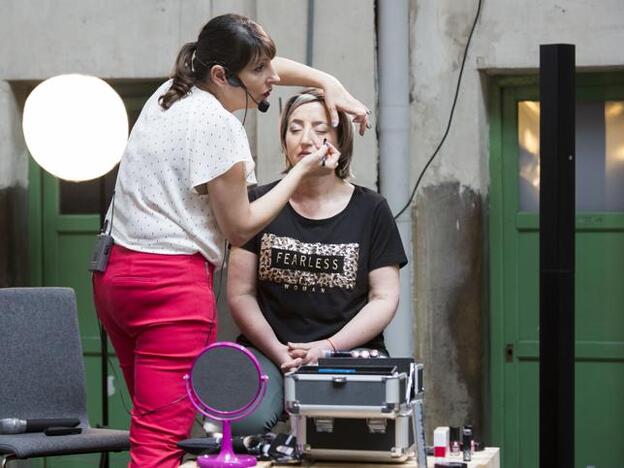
<point x="455" y="447"/>
<point x="467" y="443"/>
<point x="440" y="441"/>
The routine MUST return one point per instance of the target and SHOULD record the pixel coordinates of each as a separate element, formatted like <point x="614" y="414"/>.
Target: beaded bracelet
<point x="331" y="343"/>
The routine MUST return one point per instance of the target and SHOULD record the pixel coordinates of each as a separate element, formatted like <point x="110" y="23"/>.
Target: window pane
<point x="599" y="156"/>
<point x="528" y="155"/>
<point x="86" y="197"/>
<point x="614" y="143"/>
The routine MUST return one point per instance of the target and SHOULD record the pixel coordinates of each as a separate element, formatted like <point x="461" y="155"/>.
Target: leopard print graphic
<point x="285" y="260"/>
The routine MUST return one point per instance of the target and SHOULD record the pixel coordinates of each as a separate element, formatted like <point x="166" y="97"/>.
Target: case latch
<point x="339" y="380"/>
<point x="324" y="424"/>
<point x="377" y="425"/>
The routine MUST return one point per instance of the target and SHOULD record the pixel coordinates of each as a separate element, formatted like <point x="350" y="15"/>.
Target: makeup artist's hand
<point x="332" y="157"/>
<point x="338" y="98"/>
<point x="325" y="158"/>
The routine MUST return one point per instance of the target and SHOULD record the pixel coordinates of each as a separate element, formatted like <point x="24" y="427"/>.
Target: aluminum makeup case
<point x="356" y="409"/>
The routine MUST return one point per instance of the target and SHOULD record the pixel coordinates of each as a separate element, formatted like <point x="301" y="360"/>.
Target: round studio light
<point x="75" y="126"/>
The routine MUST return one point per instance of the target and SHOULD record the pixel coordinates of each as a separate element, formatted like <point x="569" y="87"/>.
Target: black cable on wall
<point x="451" y="114"/>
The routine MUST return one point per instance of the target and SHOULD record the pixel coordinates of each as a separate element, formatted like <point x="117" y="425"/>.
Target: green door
<point x="63" y="221"/>
<point x="514" y="267"/>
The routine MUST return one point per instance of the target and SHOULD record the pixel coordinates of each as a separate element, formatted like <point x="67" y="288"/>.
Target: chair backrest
<point x="41" y="366"/>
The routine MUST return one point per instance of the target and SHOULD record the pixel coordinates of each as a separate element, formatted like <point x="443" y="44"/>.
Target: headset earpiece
<point x="233" y="80"/>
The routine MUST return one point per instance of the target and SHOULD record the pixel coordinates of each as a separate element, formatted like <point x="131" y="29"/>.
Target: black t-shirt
<point x="313" y="274"/>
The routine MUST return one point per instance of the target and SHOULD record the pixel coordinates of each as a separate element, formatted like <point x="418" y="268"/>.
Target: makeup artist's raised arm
<point x="293" y="73"/>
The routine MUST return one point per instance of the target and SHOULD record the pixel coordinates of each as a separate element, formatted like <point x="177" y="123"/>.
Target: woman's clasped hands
<point x="301" y="354"/>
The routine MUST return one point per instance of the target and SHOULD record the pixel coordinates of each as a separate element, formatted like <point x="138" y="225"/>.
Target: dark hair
<point x="344" y="129"/>
<point x="231" y="41"/>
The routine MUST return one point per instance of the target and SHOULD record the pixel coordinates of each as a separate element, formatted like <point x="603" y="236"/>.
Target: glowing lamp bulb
<point x="75" y="126"/>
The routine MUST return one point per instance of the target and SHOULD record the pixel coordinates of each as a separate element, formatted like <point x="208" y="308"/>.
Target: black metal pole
<point x="557" y="210"/>
<point x="104" y="458"/>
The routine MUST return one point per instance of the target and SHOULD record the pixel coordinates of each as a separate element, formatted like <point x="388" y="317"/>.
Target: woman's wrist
<point x="331" y="344"/>
<point x="325" y="81"/>
<point x="278" y="353"/>
<point x="296" y="173"/>
<point x="330" y="81"/>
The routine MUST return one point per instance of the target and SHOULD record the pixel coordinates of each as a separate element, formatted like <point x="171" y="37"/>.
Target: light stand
<point x="104" y="458"/>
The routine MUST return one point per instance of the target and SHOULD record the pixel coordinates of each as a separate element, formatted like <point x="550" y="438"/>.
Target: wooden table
<point x="488" y="458"/>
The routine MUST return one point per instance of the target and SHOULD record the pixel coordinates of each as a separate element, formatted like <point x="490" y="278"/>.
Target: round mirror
<point x="226" y="379"/>
<point x="226" y="383"/>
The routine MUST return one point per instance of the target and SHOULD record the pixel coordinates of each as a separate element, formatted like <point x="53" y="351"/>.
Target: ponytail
<point x="183" y="76"/>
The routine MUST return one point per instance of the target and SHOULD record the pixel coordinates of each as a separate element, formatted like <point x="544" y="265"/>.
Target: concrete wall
<point x="450" y="227"/>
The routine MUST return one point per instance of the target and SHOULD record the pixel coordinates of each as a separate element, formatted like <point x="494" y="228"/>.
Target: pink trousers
<point x="159" y="312"/>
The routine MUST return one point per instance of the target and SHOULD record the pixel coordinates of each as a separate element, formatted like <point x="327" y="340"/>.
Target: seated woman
<point x="324" y="275"/>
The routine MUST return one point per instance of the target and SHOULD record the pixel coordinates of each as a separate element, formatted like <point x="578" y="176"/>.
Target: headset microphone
<point x="263" y="105"/>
